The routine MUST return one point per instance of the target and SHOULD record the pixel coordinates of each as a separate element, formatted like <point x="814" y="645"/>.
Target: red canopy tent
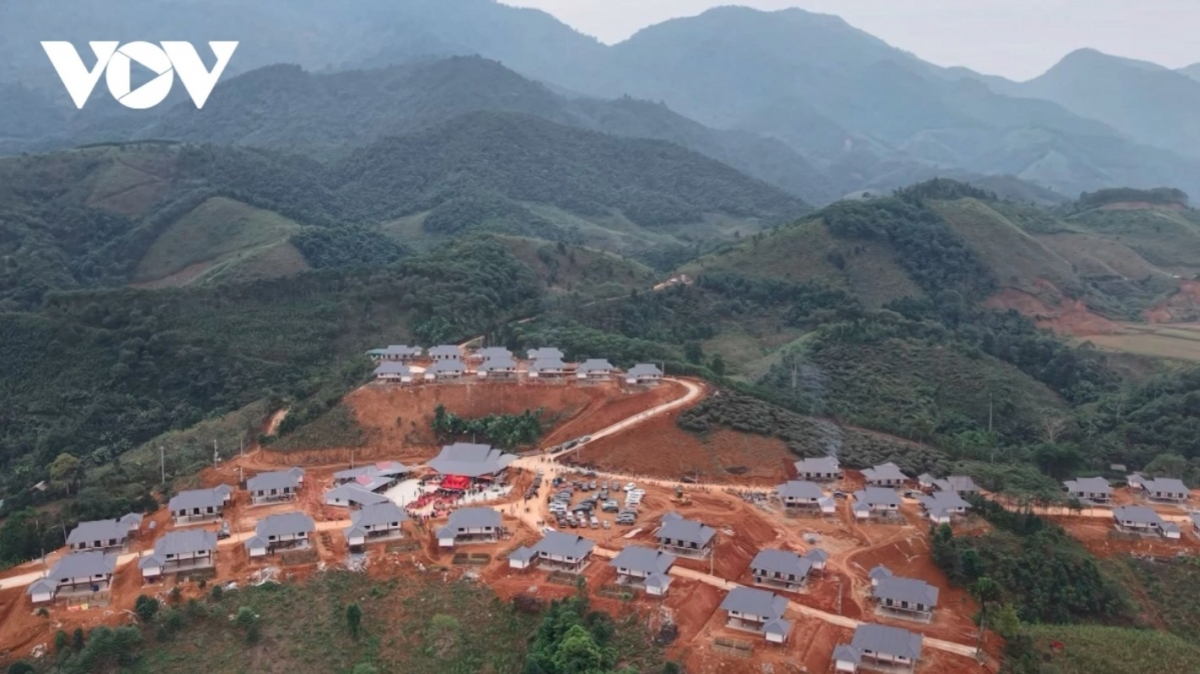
<point x="455" y="483"/>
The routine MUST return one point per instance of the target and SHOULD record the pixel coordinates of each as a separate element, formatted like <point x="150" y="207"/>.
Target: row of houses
<point x="505" y="369"/>
<point x="887" y="475"/>
<point x="1097" y="490"/>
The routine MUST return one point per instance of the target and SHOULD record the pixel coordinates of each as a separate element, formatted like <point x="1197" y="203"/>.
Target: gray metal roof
<point x="823" y="465"/>
<point x="957" y="483"/>
<point x="887" y="640"/>
<point x="392" y="367"/>
<point x="679" y="529"/>
<point x="100" y="530"/>
<point x="888" y="471"/>
<point x="447" y="367"/>
<point x="186" y="542"/>
<point x="498" y="363"/>
<point x="847" y="653"/>
<point x="907" y="589"/>
<point x="564" y="545"/>
<point x="547" y="364"/>
<point x="873" y="496"/>
<point x="595" y="365"/>
<point x="354" y="493"/>
<point x="1166" y="485"/>
<point x="444" y="351"/>
<point x="376" y="514"/>
<point x="643" y="560"/>
<point x="1089" y="485"/>
<point x="777" y="626"/>
<point x="1137" y="515"/>
<point x="754" y="602"/>
<point x="493" y="352"/>
<point x="659" y="580"/>
<point x="781" y="561"/>
<point x="879" y="572"/>
<point x="277" y="479"/>
<point x="644" y="370"/>
<point x="42" y="586"/>
<point x="523" y="554"/>
<point x="943" y="501"/>
<point x="400" y="350"/>
<point x="384" y="468"/>
<point x="800" y="489"/>
<point x="197" y="498"/>
<point x="84" y="565"/>
<point x="284" y="524"/>
<point x="545" y="352"/>
<point x="471" y="460"/>
<point x="473" y="518"/>
<point x="816" y="555"/>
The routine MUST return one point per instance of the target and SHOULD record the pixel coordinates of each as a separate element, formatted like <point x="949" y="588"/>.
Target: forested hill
<point x="529" y="159"/>
<point x="328" y="115"/>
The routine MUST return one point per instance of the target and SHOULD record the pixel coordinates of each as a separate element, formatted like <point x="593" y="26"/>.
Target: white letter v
<point x="74" y="75"/>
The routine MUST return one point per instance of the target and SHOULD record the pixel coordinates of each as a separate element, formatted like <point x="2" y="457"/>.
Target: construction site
<point x="609" y="439"/>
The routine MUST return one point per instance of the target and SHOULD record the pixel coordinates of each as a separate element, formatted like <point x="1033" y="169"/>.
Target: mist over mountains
<point x="801" y="100"/>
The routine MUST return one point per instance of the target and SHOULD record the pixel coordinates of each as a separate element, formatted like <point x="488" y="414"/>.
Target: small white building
<point x="594" y="369"/>
<point x="643" y="374"/>
<point x="283" y="531"/>
<point x="275" y="486"/>
<point x="394" y="373"/>
<point x="470" y="525"/>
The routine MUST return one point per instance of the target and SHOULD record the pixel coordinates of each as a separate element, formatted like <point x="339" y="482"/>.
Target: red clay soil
<point x="1069" y="317"/>
<point x="659" y="448"/>
<point x="1097" y="535"/>
<point x="397" y="419"/>
<point x="1184" y="305"/>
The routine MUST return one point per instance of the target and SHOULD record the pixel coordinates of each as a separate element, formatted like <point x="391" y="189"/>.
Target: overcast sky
<point x="1019" y="39"/>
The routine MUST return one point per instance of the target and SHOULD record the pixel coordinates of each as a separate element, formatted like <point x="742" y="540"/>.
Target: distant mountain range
<point x="821" y="108"/>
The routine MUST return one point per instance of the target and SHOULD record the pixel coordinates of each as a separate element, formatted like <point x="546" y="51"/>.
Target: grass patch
<point x="1089" y="649"/>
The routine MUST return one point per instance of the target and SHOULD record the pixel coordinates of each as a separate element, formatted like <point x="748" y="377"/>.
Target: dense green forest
<point x="508" y="431"/>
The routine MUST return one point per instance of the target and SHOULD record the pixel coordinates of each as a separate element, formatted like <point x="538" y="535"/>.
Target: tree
<point x="364" y="668"/>
<point x="693" y="352"/>
<point x="718" y="365"/>
<point x="442" y="635"/>
<point x="66" y="470"/>
<point x="62" y="641"/>
<point x="354" y="619"/>
<point x="77" y="640"/>
<point x="146" y="607"/>
<point x="578" y="653"/>
<point x="21" y="667"/>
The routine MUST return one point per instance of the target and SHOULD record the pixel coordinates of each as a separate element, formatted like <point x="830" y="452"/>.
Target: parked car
<point x="223" y="532"/>
<point x="595" y="522"/>
<point x="610" y="506"/>
<point x="625" y="520"/>
<point x="630" y="487"/>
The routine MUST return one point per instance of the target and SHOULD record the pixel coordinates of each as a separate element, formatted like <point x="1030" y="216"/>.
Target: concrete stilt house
<point x="470" y="525"/>
<point x="377" y="522"/>
<point x="395" y="353"/>
<point x="394" y="373"/>
<point x="547" y="368"/>
<point x="275" y="486"/>
<point x="594" y="370"/>
<point x="801" y="496"/>
<point x="446" y="370"/>
<point x="886" y="475"/>
<point x="685" y="537"/>
<point x="757" y="611"/>
<point x="818" y="558"/>
<point x="821" y="469"/>
<point x="781" y="569"/>
<point x="78" y="576"/>
<point x="199" y="505"/>
<point x="643" y="374"/>
<point x="1143" y="520"/>
<point x="943" y="506"/>
<point x="906" y="597"/>
<point x="100" y="535"/>
<point x="497" y="368"/>
<point x="179" y="551"/>
<point x="879" y="646"/>
<point x="1165" y="490"/>
<point x="876" y="502"/>
<point x="959" y="484"/>
<point x="444" y="352"/>
<point x="1090" y="490"/>
<point x="545" y="352"/>
<point x="644" y="567"/>
<point x="557" y="550"/>
<point x="276" y="533"/>
<point x="353" y="496"/>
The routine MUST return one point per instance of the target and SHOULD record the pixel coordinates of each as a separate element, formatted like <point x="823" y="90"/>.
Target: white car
<point x="630" y="487"/>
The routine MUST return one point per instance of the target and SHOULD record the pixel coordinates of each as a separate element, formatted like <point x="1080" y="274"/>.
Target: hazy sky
<point x="1015" y="38"/>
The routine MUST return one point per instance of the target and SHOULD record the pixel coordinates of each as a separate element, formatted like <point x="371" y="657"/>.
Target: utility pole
<point x="162" y="465"/>
<point x="216" y="456"/>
